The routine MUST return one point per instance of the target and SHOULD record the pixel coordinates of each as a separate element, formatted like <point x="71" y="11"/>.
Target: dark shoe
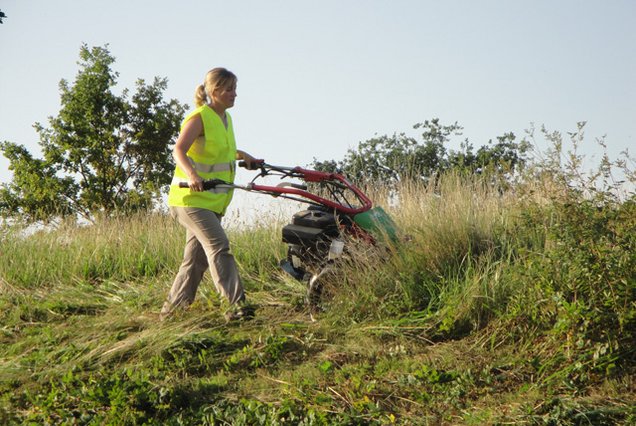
<point x="242" y="311"/>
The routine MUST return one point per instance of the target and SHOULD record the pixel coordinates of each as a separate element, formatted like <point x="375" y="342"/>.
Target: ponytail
<point x="200" y="97"/>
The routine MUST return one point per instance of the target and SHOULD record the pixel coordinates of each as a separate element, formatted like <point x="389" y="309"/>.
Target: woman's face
<point x="225" y="96"/>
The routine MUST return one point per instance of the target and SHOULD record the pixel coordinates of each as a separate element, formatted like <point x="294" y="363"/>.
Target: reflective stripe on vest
<point x="212" y="168"/>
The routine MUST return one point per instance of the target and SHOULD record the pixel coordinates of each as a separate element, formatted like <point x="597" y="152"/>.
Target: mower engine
<point x="314" y="242"/>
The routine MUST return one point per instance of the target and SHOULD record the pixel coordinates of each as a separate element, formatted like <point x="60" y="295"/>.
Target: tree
<point x="2" y="16"/>
<point x="396" y="157"/>
<point x="502" y="157"/>
<point x="400" y="157"/>
<point x="102" y="153"/>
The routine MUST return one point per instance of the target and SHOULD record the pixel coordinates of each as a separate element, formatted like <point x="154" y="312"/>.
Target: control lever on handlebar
<point x="207" y="184"/>
<point x="255" y="164"/>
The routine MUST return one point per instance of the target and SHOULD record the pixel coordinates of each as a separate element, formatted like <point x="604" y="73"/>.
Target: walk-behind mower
<point x="338" y="213"/>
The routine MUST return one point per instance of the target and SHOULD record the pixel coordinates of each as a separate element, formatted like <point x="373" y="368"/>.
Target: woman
<point x="205" y="149"/>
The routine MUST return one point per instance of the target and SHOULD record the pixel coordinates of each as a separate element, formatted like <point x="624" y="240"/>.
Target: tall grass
<point x="454" y="243"/>
<point x="117" y="249"/>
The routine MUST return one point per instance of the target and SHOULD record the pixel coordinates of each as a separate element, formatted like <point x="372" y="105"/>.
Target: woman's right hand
<point x="195" y="182"/>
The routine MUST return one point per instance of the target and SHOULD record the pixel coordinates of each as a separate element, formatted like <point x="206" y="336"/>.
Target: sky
<point x="318" y="77"/>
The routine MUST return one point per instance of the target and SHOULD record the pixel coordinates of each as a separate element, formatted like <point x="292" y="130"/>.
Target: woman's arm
<point x="190" y="132"/>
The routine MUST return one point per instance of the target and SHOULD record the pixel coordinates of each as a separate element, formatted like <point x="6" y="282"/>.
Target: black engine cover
<point x="301" y="235"/>
<point x="315" y="219"/>
<point x="310" y="227"/>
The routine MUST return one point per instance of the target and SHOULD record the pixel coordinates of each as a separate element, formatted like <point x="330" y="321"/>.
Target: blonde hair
<point x="215" y="78"/>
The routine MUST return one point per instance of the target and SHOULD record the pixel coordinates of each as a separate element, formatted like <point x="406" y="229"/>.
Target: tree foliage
<point x="399" y="157"/>
<point x="103" y="153"/>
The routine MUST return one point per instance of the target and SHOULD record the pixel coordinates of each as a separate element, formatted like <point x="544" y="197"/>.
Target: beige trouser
<point x="206" y="245"/>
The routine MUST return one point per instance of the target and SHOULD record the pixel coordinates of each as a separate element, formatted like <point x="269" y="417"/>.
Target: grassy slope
<point x="482" y="317"/>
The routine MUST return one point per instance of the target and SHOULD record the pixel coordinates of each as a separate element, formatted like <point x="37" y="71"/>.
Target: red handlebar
<point x="316" y="176"/>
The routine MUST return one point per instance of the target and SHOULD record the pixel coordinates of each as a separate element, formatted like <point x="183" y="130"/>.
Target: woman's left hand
<point x="251" y="162"/>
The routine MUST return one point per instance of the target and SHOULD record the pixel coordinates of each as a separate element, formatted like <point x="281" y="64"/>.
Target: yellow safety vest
<point x="213" y="156"/>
